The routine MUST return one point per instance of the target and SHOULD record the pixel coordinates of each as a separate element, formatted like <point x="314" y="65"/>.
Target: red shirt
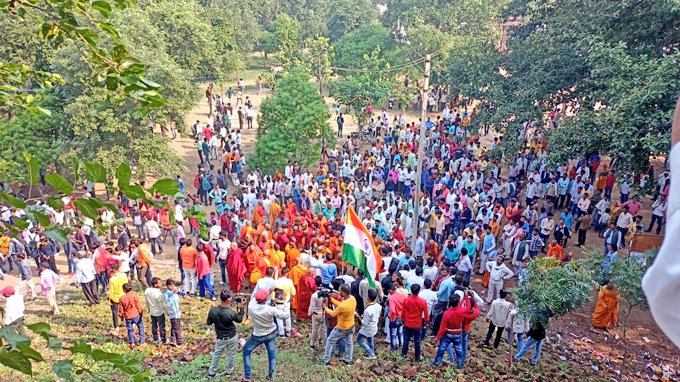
<point x="207" y="133"/>
<point x="396" y="303"/>
<point x="413" y="310"/>
<point x="454" y="318"/>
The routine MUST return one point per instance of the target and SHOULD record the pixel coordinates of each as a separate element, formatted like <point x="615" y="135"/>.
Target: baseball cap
<point x="261" y="295"/>
<point x="7" y="290"/>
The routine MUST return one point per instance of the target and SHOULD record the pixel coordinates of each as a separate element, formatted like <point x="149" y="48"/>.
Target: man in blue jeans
<point x="369" y="324"/>
<point x="451" y="329"/>
<point x="535" y="337"/>
<point x="344" y="329"/>
<point x="264" y="332"/>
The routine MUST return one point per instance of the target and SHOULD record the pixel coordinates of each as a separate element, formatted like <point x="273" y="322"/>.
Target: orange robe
<point x="555" y="251"/>
<point x="292" y="255"/>
<point x="295" y="275"/>
<point x="607" y="308"/>
<point x="274" y="211"/>
<point x="258" y="215"/>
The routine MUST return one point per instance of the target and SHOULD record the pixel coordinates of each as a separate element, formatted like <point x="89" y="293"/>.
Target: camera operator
<point x="344" y="312"/>
<point x="223" y="317"/>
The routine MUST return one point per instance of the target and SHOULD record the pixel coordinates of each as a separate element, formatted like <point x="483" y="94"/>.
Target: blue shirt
<point x="181" y="185"/>
<point x="568" y="220"/>
<point x="329" y="272"/>
<point x="172" y="302"/>
<point x="445" y="290"/>
<point x="489" y="242"/>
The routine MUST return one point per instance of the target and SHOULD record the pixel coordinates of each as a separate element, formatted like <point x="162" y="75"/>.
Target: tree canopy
<point x="293" y="123"/>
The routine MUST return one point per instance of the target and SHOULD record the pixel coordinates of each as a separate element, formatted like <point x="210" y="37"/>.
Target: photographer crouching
<point x="226" y="337"/>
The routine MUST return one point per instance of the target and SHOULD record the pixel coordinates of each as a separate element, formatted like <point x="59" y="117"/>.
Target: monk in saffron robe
<point x="607" y="308"/>
<point x="236" y="268"/>
<point x="303" y="295"/>
<point x="292" y="254"/>
<point x="255" y="264"/>
<point x="555" y="250"/>
<point x="296" y="273"/>
<point x="274" y="210"/>
<point x="259" y="214"/>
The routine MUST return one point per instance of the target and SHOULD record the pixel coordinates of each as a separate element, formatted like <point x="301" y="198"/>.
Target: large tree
<point x="293" y="124"/>
<point x="618" y="58"/>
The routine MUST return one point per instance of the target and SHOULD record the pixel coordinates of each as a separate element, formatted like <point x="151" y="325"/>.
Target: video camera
<point x="324" y="292"/>
<point x="238" y="299"/>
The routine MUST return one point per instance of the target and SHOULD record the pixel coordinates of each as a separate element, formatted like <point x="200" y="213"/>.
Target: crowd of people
<point x="279" y="239"/>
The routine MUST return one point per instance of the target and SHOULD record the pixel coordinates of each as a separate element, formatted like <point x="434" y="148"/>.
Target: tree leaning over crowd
<point x="293" y="125"/>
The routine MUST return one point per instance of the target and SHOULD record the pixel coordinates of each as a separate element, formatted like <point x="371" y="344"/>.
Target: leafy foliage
<point x="625" y="78"/>
<point x="352" y="47"/>
<point x="19" y="353"/>
<point x="347" y="16"/>
<point x="363" y="88"/>
<point x="293" y="123"/>
<point x="554" y="287"/>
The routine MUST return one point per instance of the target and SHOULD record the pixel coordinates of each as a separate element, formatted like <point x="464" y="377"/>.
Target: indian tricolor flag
<point x="359" y="249"/>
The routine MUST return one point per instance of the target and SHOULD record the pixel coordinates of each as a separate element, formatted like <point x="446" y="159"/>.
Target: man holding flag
<point x="359" y="249"/>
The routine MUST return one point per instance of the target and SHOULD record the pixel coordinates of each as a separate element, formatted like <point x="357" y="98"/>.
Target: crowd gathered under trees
<point x="279" y="238"/>
<point x="512" y="171"/>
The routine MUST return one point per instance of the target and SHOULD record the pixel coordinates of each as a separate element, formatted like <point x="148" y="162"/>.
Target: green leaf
<point x="12" y="337"/>
<point x="42" y="329"/>
<point x="166" y="187"/>
<point x="87" y="207"/>
<point x="11" y="200"/>
<point x="43" y="219"/>
<point x="134" y="191"/>
<point x="16" y="360"/>
<point x="82" y="347"/>
<point x="57" y="234"/>
<point x="21" y="223"/>
<point x="32" y="167"/>
<point x="63" y="369"/>
<point x="55" y="202"/>
<point x="59" y="183"/>
<point x="54" y="343"/>
<point x="101" y="355"/>
<point x="102" y="7"/>
<point x="123" y="174"/>
<point x="75" y="166"/>
<point x="131" y="367"/>
<point x="29" y="352"/>
<point x="95" y="172"/>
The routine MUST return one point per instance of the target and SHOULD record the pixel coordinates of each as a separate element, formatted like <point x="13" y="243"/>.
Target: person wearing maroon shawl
<point x="236" y="268"/>
<point x="306" y="288"/>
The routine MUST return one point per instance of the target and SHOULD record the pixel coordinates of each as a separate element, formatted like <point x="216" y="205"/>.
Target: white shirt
<point x="498" y="272"/>
<point x="498" y="312"/>
<point x="223" y="249"/>
<point x="430" y="298"/>
<point x="123" y="261"/>
<point x="152" y="229"/>
<point x="85" y="271"/>
<point x="262" y="317"/>
<point x="662" y="281"/>
<point x="430" y="273"/>
<point x="369" y="320"/>
<point x="179" y="213"/>
<point x="14" y="309"/>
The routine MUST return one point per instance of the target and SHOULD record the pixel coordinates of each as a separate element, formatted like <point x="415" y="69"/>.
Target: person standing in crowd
<point x="369" y="324"/>
<point x="226" y="337"/>
<point x="26" y="274"/>
<point x="14" y="309"/>
<point x="48" y="284"/>
<point x="344" y="312"/>
<point x="86" y="277"/>
<point x="116" y="292"/>
<point x="155" y="302"/>
<point x="174" y="314"/>
<point x="497" y="317"/>
<point x="415" y="316"/>
<point x="131" y="311"/>
<point x="264" y="332"/>
<point x="499" y="272"/>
